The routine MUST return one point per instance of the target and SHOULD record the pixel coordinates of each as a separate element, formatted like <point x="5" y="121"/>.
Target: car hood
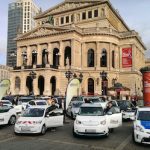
<point x="26" y="120"/>
<point x="90" y="120"/>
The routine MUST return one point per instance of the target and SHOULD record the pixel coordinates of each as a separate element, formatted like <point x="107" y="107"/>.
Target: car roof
<point x="144" y="109"/>
<point x="90" y="105"/>
<point x="39" y="100"/>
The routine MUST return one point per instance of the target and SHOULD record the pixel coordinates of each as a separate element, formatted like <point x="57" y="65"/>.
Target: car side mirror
<point x="109" y="113"/>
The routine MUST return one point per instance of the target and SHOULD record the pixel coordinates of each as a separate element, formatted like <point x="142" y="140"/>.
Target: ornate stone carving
<point x="68" y="6"/>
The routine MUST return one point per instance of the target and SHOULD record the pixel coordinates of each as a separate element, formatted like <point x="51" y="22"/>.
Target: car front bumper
<point x="27" y="129"/>
<point x="99" y="130"/>
<point x="128" y="115"/>
<point x="142" y="137"/>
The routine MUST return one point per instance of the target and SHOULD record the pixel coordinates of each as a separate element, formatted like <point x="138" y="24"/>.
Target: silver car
<point x="73" y="108"/>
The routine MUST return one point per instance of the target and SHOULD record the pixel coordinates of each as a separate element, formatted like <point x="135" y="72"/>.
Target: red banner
<point x="146" y="88"/>
<point x="126" y="57"/>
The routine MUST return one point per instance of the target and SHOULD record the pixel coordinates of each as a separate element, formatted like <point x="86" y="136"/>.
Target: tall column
<point x="35" y="86"/>
<point x="47" y="86"/>
<point x="73" y="52"/>
<point x="28" y="55"/>
<point x="19" y="56"/>
<point x="97" y="55"/>
<point x="23" y="85"/>
<point x="50" y="54"/>
<point x="39" y="55"/>
<point x="61" y="51"/>
<point x="133" y="57"/>
<point x="84" y="56"/>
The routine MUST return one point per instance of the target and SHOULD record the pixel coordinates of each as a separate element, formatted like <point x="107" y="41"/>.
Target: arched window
<point x="34" y="57"/>
<point x="44" y="57"/>
<point x="90" y="86"/>
<point x="17" y="83"/>
<point x="67" y="56"/>
<point x="55" y="57"/>
<point x="53" y="85"/>
<point x="90" y="59"/>
<point x="113" y="59"/>
<point x="103" y="58"/>
<point x="41" y="83"/>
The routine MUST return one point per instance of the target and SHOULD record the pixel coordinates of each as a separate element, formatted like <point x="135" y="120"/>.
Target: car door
<point x="114" y="117"/>
<point x="53" y="118"/>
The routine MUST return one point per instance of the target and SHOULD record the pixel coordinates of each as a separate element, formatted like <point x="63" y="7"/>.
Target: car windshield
<point x="4" y="109"/>
<point x="91" y="111"/>
<point x="144" y="115"/>
<point x="24" y="100"/>
<point x="124" y="105"/>
<point x="41" y="103"/>
<point x="76" y="105"/>
<point x="33" y="112"/>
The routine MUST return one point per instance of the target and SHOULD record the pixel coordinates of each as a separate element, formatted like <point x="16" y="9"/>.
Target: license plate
<point x="25" y="128"/>
<point x="90" y="130"/>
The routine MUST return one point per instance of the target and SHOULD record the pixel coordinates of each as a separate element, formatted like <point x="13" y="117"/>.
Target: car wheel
<point x="12" y="120"/>
<point x="16" y="133"/>
<point x="72" y="116"/>
<point x="74" y="134"/>
<point x="111" y="130"/>
<point x="107" y="134"/>
<point x="43" y="130"/>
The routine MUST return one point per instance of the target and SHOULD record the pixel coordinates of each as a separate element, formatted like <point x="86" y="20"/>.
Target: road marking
<point x="124" y="143"/>
<point x="77" y="144"/>
<point x="8" y="139"/>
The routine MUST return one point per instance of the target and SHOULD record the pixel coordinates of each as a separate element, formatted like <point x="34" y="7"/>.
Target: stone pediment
<point x="67" y="5"/>
<point x="42" y="31"/>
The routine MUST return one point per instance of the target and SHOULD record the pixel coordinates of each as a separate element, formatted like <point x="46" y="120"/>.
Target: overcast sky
<point x="136" y="14"/>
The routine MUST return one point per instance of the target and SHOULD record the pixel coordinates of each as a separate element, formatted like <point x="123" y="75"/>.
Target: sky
<point x="136" y="14"/>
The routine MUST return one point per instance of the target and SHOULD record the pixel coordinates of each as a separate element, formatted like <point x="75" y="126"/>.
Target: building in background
<point x="20" y="20"/>
<point x="4" y="72"/>
<point x="87" y="37"/>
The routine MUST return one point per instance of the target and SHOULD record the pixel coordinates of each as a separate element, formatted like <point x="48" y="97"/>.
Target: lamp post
<point x="32" y="74"/>
<point x="103" y="75"/>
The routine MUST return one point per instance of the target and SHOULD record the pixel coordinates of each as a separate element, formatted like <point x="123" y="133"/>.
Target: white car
<point x="92" y="120"/>
<point x="22" y="102"/>
<point x="7" y="115"/>
<point x="127" y="108"/>
<point x="36" y="103"/>
<point x="37" y="119"/>
<point x="141" y="128"/>
<point x="6" y="102"/>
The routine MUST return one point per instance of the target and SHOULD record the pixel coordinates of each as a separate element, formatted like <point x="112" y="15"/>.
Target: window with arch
<point x="90" y="86"/>
<point x="55" y="57"/>
<point x="113" y="59"/>
<point x="103" y="58"/>
<point x="67" y="56"/>
<point x="90" y="58"/>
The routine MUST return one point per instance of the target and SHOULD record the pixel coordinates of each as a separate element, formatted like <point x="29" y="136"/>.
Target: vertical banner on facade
<point x="73" y="89"/>
<point x="4" y="86"/>
<point x="126" y="57"/>
<point x="146" y="88"/>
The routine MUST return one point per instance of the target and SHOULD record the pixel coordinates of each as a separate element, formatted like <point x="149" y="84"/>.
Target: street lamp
<point x="103" y="75"/>
<point x="68" y="74"/>
<point x="32" y="74"/>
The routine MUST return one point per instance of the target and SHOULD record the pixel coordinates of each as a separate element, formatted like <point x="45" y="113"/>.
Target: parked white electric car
<point x="141" y="128"/>
<point x="37" y="119"/>
<point x="92" y="120"/>
<point x="7" y="115"/>
<point x="36" y="103"/>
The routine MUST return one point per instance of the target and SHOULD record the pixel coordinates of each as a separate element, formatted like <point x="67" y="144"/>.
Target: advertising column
<point x="146" y="88"/>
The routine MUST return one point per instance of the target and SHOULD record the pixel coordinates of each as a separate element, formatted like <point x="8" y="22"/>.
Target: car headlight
<point x="78" y="122"/>
<point x="138" y="128"/>
<point x="103" y="122"/>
